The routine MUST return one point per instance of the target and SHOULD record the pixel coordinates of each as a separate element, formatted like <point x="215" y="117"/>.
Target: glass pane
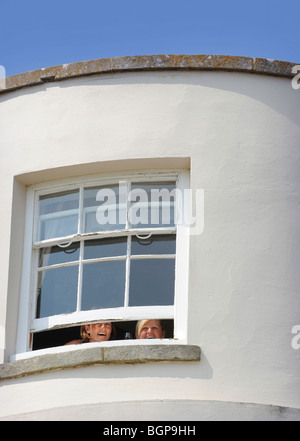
<point x="152" y="282"/>
<point x="94" y="249"/>
<point x="103" y="285"/>
<point x="57" y="291"/>
<point x="162" y="244"/>
<point x="58" y="215"/>
<point x="54" y="255"/>
<point x="104" y="208"/>
<point x="152" y="205"/>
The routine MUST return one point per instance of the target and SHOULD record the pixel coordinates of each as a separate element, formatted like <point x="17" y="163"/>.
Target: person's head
<point x="149" y="329"/>
<point x="97" y="332"/>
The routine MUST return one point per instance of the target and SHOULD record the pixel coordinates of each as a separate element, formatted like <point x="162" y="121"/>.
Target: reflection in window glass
<point x="152" y="282"/>
<point x="56" y="255"/>
<point x="103" y="285"/>
<point x="94" y="249"/>
<point x="57" y="291"/>
<point x="155" y="244"/>
<point x="58" y="215"/>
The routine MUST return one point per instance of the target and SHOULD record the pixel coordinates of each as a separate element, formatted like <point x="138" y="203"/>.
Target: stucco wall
<point x="239" y="132"/>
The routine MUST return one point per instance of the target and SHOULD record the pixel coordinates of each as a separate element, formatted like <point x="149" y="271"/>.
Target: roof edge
<point x="149" y="63"/>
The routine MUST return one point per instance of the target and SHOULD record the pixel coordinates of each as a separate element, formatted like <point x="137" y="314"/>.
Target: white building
<point x="227" y="286"/>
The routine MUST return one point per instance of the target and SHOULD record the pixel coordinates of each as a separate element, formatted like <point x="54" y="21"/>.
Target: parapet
<point x="150" y="63"/>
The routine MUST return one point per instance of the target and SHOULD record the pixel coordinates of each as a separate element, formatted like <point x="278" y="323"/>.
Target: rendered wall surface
<point x="240" y="134"/>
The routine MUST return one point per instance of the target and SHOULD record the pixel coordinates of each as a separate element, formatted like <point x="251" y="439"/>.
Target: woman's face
<point x="99" y="331"/>
<point x="152" y="329"/>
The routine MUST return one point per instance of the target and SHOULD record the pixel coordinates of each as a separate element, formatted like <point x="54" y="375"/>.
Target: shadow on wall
<point x="263" y="88"/>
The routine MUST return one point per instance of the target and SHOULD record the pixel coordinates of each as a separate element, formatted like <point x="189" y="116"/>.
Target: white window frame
<point x="178" y="312"/>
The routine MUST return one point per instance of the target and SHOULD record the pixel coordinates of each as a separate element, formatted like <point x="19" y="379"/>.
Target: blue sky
<point x="35" y="34"/>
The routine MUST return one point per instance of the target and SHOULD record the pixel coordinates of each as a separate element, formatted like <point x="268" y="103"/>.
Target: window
<point x="104" y="248"/>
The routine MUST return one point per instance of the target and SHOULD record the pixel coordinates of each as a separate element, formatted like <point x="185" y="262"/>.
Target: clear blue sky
<point x="36" y="33"/>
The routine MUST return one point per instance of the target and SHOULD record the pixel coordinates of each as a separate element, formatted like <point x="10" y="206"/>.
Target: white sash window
<point x="105" y="248"/>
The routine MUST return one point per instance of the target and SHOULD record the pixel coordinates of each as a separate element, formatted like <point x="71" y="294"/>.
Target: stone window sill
<point x="92" y="356"/>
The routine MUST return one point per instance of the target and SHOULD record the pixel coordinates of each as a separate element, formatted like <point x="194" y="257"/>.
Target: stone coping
<point x="91" y="356"/>
<point x="149" y="63"/>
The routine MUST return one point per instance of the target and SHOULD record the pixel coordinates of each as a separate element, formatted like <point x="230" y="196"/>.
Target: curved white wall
<point x="241" y="132"/>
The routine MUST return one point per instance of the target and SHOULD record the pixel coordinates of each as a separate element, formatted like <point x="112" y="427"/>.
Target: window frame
<point x="28" y="324"/>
